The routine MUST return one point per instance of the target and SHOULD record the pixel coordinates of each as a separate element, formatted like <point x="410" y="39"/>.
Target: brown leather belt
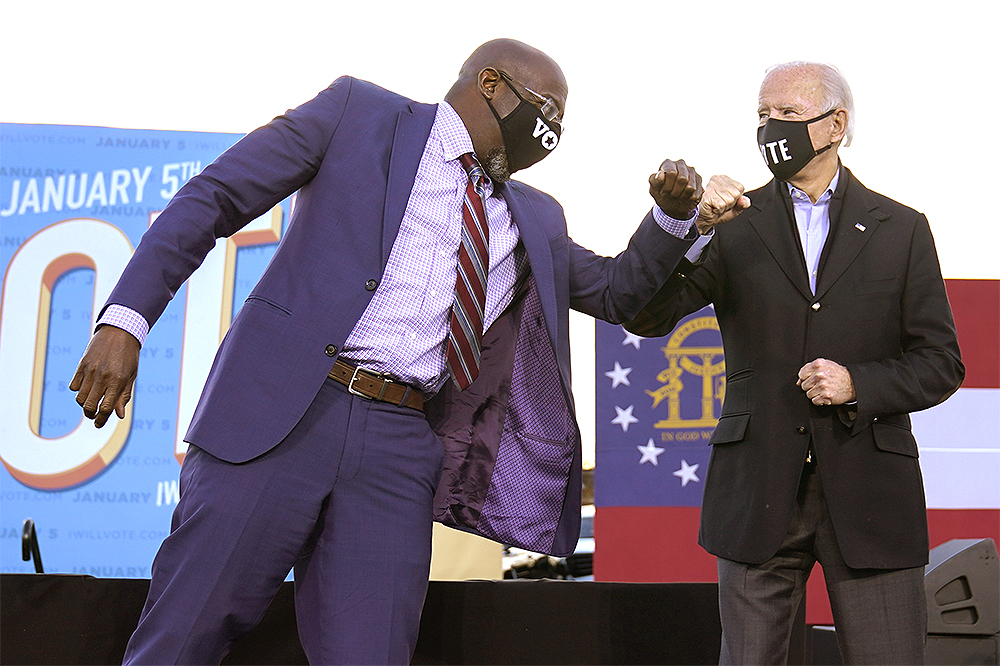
<point x="374" y="386"/>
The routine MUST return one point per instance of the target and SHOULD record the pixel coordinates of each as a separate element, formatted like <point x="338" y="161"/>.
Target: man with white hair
<point x="836" y="325"/>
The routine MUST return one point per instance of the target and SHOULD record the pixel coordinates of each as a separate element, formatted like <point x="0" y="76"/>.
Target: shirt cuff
<point x="678" y="228"/>
<point x="694" y="252"/>
<point x="126" y="319"/>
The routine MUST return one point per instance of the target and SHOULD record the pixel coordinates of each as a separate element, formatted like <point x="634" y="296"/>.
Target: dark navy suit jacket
<point x="352" y="154"/>
<point x="881" y="310"/>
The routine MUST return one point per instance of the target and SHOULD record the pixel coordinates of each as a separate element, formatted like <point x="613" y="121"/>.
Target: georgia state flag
<point x="657" y="400"/>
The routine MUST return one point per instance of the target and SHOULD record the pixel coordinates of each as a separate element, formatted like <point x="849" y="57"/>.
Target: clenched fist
<point x="676" y="188"/>
<point x="723" y="200"/>
<point x="826" y="382"/>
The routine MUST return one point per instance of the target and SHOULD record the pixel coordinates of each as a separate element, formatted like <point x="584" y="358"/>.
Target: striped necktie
<point x="465" y="337"/>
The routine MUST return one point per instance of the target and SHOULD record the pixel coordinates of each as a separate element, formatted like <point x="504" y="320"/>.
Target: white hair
<point x="836" y="91"/>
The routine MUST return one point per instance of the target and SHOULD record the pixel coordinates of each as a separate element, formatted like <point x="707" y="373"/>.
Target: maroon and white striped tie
<point x="465" y="339"/>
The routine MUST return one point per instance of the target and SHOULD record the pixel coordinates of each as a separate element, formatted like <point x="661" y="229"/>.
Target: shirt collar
<point x="455" y="139"/>
<point x="825" y="197"/>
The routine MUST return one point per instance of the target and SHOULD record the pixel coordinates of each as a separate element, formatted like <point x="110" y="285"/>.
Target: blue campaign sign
<point x="74" y="202"/>
<point x="658" y="401"/>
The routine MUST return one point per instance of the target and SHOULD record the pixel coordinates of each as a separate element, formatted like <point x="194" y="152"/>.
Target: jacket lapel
<point x="778" y="234"/>
<point x="851" y="230"/>
<point x="413" y="126"/>
<point x="536" y="245"/>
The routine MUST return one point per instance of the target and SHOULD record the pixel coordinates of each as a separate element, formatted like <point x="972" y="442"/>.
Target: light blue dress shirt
<point x="811" y="219"/>
<point x="813" y="222"/>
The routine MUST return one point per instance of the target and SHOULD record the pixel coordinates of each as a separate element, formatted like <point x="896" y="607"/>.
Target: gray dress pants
<point x="880" y="614"/>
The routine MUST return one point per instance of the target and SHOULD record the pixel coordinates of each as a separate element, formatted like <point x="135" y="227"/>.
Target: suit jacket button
<point x="816" y="306"/>
<point x="801" y="430"/>
<point x="331" y="350"/>
<point x="371" y="285"/>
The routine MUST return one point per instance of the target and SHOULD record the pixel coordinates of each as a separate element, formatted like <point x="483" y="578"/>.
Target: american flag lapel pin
<point x="860" y="227"/>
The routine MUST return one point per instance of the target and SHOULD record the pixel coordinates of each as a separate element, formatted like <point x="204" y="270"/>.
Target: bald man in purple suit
<point x="329" y="434"/>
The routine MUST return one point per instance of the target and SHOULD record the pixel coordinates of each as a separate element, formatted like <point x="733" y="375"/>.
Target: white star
<point x="631" y="339"/>
<point x="686" y="473"/>
<point x="619" y="375"/>
<point x="624" y="417"/>
<point x="649" y="452"/>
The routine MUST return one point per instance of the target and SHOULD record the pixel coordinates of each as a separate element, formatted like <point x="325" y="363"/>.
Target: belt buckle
<point x="353" y="391"/>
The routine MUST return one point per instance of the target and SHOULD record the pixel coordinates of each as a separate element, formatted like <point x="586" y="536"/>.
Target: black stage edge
<point x="68" y="619"/>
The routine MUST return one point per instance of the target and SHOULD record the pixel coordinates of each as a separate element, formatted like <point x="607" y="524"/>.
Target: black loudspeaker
<point x="962" y="580"/>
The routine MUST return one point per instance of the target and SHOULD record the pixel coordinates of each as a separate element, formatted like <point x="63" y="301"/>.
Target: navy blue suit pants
<point x="345" y="499"/>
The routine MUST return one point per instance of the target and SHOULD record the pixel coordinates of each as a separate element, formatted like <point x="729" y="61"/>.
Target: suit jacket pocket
<point x="254" y="299"/>
<point x="525" y="498"/>
<point x="738" y="392"/>
<point x="895" y="437"/>
<point x="731" y="428"/>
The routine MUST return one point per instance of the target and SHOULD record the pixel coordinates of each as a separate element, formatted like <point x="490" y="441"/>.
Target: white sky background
<point x="648" y="81"/>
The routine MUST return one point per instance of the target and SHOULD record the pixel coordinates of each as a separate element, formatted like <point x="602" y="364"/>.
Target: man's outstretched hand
<point x="676" y="188"/>
<point x="104" y="379"/>
<point x="723" y="200"/>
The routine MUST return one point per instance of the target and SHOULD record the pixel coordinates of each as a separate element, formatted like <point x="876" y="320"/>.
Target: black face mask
<point x="527" y="135"/>
<point x="786" y="146"/>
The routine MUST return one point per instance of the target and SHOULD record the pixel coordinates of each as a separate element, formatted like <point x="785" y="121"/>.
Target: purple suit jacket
<point x="512" y="469"/>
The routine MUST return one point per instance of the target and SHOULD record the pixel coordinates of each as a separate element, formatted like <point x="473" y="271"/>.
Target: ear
<point x="488" y="80"/>
<point x="838" y="129"/>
